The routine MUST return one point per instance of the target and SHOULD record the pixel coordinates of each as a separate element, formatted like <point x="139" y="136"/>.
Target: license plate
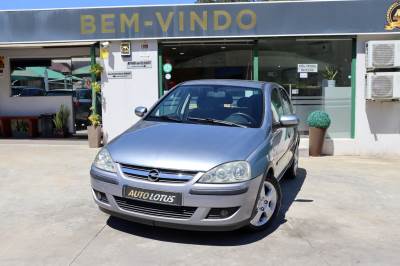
<point x="162" y="197"/>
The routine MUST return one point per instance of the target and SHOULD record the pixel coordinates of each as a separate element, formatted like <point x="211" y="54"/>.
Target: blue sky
<point x="32" y="4"/>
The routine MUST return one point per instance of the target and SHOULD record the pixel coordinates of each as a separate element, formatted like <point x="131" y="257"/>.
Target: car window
<point x="287" y="108"/>
<point x="232" y="104"/>
<point x="170" y="106"/>
<point x="276" y="105"/>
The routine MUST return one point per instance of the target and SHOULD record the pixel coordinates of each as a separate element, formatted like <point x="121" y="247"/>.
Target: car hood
<point x="191" y="147"/>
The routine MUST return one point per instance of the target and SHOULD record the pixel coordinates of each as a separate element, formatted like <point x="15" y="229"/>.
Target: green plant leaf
<point x="318" y="119"/>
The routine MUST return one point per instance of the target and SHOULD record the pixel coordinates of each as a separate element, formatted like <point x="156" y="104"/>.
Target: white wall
<point x="377" y="123"/>
<point x="34" y="105"/>
<point x="121" y="96"/>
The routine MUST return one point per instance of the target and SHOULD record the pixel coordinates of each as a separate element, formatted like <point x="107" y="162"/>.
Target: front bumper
<point x="199" y="197"/>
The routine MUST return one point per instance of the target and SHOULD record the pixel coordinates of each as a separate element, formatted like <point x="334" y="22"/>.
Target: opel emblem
<point x="154" y="175"/>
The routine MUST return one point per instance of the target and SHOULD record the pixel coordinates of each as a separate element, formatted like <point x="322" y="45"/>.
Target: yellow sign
<point x="193" y="21"/>
<point x="393" y="17"/>
<point x="104" y="53"/>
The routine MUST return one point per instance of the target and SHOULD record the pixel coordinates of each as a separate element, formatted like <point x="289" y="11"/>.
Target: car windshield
<point x="211" y="104"/>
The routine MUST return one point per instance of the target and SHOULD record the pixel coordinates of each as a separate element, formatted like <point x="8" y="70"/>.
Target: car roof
<point x="226" y="82"/>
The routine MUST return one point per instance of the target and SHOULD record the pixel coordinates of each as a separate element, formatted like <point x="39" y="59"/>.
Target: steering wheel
<point x="246" y="116"/>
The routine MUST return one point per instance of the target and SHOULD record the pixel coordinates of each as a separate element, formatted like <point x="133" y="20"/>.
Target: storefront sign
<point x="139" y="64"/>
<point x="119" y="75"/>
<point x="301" y="18"/>
<point x="393" y="17"/>
<point x="125" y="48"/>
<point x="307" y="68"/>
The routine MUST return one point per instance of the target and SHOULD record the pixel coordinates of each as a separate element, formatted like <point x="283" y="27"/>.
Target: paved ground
<point x="340" y="211"/>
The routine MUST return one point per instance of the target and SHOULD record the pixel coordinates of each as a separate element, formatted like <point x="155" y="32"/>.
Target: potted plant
<point x="96" y="69"/>
<point x="94" y="131"/>
<point x="61" y="122"/>
<point x="318" y="122"/>
<point x="329" y="75"/>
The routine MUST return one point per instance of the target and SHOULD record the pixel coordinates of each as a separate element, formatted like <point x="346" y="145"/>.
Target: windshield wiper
<point x="166" y="118"/>
<point x="215" y="121"/>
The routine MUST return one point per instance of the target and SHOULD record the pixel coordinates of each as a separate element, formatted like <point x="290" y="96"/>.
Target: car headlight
<point x="104" y="161"/>
<point x="233" y="172"/>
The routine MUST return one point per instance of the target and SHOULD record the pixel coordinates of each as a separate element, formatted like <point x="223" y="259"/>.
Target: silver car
<point x="207" y="156"/>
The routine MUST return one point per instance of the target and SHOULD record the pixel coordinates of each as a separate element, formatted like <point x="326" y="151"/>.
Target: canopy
<point x="39" y="72"/>
<point x="82" y="71"/>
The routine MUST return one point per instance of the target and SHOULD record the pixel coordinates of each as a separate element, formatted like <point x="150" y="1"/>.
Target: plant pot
<point x="316" y="141"/>
<point x="328" y="83"/>
<point x="61" y="133"/>
<point x="94" y="136"/>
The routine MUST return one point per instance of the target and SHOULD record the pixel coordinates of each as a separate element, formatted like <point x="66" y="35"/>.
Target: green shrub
<point x="319" y="119"/>
<point x="61" y="119"/>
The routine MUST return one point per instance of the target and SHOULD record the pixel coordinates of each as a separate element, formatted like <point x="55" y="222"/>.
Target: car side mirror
<point x="289" y="121"/>
<point x="140" y="111"/>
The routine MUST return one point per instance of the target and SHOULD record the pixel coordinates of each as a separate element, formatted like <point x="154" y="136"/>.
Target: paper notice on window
<point x="303" y="75"/>
<point x="307" y="68"/>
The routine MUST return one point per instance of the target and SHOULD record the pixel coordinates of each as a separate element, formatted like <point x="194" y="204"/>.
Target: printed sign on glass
<point x="307" y="68"/>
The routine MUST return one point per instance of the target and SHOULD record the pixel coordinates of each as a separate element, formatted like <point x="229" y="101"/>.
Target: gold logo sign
<point x="393" y="17"/>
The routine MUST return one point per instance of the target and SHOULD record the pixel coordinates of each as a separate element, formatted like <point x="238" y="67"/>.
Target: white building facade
<point x="303" y="46"/>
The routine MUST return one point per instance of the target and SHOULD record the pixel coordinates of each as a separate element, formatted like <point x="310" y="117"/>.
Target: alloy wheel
<point x="266" y="204"/>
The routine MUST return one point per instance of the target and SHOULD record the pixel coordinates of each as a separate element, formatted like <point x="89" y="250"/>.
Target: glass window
<point x="276" y="105"/>
<point x="50" y="76"/>
<point x="224" y="60"/>
<point x="56" y="77"/>
<point x="287" y="109"/>
<point x="226" y="105"/>
<point x="312" y="88"/>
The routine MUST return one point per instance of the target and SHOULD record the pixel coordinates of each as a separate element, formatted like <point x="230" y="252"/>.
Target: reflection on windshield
<point x="212" y="104"/>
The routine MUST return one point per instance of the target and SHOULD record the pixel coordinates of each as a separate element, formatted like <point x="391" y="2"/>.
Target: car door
<point x="278" y="133"/>
<point x="290" y="132"/>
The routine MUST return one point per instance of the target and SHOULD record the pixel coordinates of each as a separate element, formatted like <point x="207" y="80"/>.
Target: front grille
<point x="180" y="212"/>
<point x="170" y="176"/>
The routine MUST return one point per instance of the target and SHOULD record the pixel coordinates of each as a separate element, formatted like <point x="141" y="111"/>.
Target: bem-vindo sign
<point x="213" y="20"/>
<point x="260" y="19"/>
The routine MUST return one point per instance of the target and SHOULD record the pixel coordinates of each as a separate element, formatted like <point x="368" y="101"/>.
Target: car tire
<point x="267" y="205"/>
<point x="291" y="172"/>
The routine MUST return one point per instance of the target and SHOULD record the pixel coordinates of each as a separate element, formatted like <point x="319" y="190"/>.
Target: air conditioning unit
<point x="382" y="54"/>
<point x="383" y="86"/>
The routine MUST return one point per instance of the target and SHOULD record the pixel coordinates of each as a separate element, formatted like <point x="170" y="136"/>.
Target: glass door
<point x="189" y="60"/>
<point x="316" y="73"/>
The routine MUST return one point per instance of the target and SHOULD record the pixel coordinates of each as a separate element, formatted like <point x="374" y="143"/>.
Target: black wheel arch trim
<point x="219" y="192"/>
